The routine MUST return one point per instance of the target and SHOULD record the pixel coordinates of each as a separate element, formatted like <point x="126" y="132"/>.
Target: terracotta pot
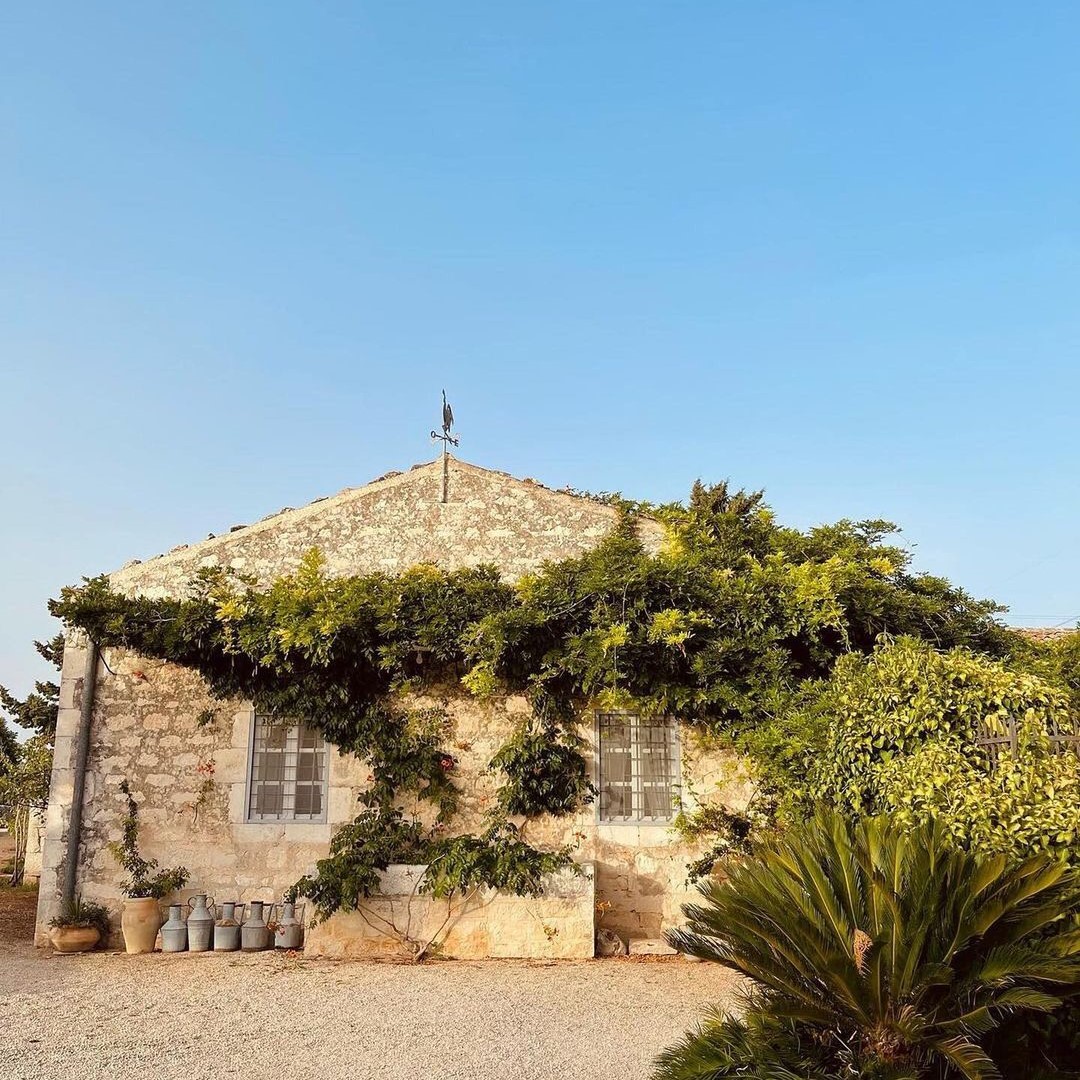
<point x="69" y="939"/>
<point x="140" y="922"/>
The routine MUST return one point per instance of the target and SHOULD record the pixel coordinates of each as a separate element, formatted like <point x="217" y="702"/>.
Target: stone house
<point x="248" y="808"/>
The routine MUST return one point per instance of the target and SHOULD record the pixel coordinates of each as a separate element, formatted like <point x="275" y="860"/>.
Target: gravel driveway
<point x="259" y="1016"/>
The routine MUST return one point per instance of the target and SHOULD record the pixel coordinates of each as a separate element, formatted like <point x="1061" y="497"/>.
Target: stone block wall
<point x="145" y="731"/>
<point x="144" y="724"/>
<point x="397" y="522"/>
<point x="557" y="925"/>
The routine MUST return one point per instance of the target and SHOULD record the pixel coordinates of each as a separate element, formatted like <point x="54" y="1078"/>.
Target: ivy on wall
<point x="727" y="627"/>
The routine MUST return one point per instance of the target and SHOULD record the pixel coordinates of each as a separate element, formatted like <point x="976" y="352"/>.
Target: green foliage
<point x="1040" y="1046"/>
<point x="327" y="649"/>
<point x="728" y="831"/>
<point x="206" y="718"/>
<point x="330" y="650"/>
<point x="903" y="733"/>
<point x="1028" y="801"/>
<point x="879" y="951"/>
<point x="144" y="878"/>
<point x="724" y="628"/>
<point x="724" y="625"/>
<point x="25" y="776"/>
<point x="358" y="852"/>
<point x="24" y="782"/>
<point x="496" y="859"/>
<point x="907" y="695"/>
<point x="38" y="710"/>
<point x="83" y="914"/>
<point x="9" y="745"/>
<point x="1057" y="661"/>
<point x="756" y="1045"/>
<point x="720" y="628"/>
<point x="545" y="773"/>
<point x="407" y="758"/>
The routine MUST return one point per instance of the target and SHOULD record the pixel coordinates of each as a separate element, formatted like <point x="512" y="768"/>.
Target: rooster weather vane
<point x="448" y="440"/>
<point x="447" y="424"/>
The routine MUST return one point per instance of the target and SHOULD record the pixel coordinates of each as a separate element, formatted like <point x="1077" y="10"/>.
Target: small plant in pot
<point x="79" y="927"/>
<point x="145" y="884"/>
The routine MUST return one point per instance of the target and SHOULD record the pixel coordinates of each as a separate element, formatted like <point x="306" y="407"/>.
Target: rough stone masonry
<point x="144" y="729"/>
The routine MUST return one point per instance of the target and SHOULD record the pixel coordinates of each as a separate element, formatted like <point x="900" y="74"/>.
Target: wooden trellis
<point x="992" y="737"/>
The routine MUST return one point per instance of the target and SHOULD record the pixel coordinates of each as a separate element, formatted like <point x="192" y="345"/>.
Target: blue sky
<point x="826" y="249"/>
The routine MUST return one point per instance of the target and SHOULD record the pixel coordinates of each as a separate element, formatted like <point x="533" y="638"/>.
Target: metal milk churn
<point x="227" y="928"/>
<point x="200" y="924"/>
<point x="255" y="934"/>
<point x="174" y="931"/>
<point x="290" y="930"/>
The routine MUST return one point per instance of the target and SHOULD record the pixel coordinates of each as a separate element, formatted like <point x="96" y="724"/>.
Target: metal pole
<point x="78" y="789"/>
<point x="445" y="473"/>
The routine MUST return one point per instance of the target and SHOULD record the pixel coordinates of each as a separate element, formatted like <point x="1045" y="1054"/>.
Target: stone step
<point x="641" y="946"/>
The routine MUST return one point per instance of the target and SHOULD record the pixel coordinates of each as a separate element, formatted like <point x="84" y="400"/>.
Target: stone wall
<point x="144" y="724"/>
<point x="397" y="522"/>
<point x="558" y="925"/>
<point x="145" y="731"/>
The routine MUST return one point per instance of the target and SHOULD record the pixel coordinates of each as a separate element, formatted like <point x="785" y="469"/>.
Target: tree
<point x="26" y="767"/>
<point x="39" y="709"/>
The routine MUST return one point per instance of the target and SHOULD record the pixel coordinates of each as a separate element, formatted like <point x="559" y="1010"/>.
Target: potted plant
<point x="145" y="884"/>
<point x="79" y="927"/>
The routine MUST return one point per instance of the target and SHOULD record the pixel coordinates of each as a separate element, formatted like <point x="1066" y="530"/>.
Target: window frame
<point x="675" y="757"/>
<point x="249" y="782"/>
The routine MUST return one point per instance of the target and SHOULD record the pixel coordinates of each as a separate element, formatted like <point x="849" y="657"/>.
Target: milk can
<point x="255" y="934"/>
<point x="200" y="923"/>
<point x="227" y="928"/>
<point x="290" y="929"/>
<point x="174" y="931"/>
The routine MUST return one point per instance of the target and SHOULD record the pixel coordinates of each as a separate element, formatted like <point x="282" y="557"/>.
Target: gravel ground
<point x="262" y="1016"/>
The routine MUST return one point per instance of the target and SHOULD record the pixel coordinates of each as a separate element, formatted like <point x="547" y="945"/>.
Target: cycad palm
<point x="877" y="951"/>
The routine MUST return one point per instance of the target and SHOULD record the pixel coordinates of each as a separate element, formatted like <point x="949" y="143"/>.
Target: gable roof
<point x="397" y="521"/>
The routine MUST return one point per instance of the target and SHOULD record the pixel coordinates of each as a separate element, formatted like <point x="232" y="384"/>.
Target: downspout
<point x="78" y="790"/>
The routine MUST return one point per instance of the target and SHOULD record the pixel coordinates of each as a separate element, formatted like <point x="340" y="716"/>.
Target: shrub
<point x="1028" y="802"/>
<point x="876" y="950"/>
<point x="905" y="733"/>
<point x="496" y="859"/>
<point x="905" y="696"/>
<point x="757" y="1045"/>
<point x="84" y="913"/>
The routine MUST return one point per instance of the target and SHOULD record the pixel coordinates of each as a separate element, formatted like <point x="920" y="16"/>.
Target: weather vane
<point x="448" y="440"/>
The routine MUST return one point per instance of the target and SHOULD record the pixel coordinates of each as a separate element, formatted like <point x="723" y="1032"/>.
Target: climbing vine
<point x="144" y="878"/>
<point x="723" y="627"/>
<point x="545" y="772"/>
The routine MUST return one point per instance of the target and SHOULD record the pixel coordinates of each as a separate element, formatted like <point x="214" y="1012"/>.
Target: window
<point x="287" y="777"/>
<point x="638" y="768"/>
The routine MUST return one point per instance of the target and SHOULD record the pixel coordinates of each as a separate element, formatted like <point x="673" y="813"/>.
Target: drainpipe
<point x="82" y="752"/>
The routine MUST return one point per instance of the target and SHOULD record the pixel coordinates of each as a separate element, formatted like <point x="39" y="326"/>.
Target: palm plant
<point x="875" y="951"/>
